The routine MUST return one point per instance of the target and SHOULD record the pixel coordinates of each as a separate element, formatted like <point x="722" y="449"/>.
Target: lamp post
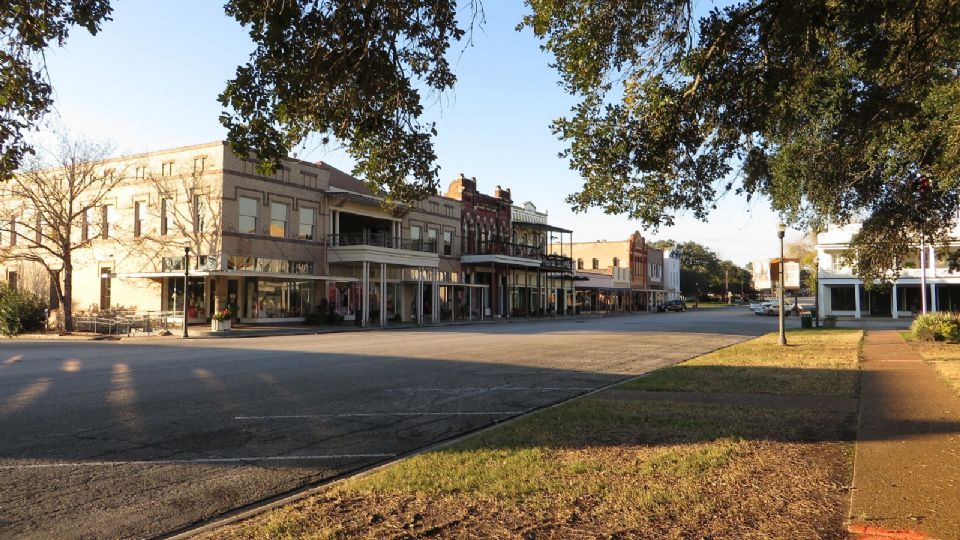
<point x="186" y="285"/>
<point x="781" y="230"/>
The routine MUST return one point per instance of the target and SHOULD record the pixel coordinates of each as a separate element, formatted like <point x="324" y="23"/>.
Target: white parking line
<point x="491" y="388"/>
<point x="191" y="461"/>
<point x="368" y="415"/>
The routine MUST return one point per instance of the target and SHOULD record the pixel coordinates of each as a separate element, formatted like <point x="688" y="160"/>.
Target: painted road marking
<point x="369" y="415"/>
<point x="191" y="461"/>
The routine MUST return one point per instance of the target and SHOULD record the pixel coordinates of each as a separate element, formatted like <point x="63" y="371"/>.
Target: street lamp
<point x="781" y="230"/>
<point x="186" y="285"/>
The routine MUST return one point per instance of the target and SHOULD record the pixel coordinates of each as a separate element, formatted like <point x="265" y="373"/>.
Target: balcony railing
<point x="374" y="239"/>
<point x="558" y="263"/>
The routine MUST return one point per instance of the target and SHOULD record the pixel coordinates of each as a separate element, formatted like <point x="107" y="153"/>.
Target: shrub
<point x="937" y="327"/>
<point x="20" y="311"/>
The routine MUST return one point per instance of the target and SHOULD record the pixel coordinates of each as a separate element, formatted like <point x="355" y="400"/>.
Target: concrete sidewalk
<point x="906" y="481"/>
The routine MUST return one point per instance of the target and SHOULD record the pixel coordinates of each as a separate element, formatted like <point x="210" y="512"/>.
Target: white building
<point x="671" y="275"/>
<point x="842" y="293"/>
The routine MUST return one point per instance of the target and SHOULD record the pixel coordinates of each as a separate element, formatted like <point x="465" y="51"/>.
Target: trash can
<point x="806" y="321"/>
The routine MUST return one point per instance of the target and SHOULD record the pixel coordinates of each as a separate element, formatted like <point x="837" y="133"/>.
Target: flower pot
<point x="220" y="326"/>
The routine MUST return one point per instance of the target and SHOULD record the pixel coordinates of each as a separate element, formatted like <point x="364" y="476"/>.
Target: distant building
<point x="841" y="292"/>
<point x="603" y="256"/>
<point x="671" y="275"/>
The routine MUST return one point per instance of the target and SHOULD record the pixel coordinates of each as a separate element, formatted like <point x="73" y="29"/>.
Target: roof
<point x="542" y="226"/>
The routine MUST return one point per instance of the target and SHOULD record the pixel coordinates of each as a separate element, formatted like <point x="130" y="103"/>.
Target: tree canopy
<point x="27" y="29"/>
<point x="836" y="111"/>
<point x="703" y="271"/>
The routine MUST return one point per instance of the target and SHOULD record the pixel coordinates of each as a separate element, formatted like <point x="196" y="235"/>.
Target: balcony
<point x="503" y="252"/>
<point x="381" y="247"/>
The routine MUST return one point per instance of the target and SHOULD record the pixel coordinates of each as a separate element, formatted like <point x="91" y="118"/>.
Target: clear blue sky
<point x="150" y="81"/>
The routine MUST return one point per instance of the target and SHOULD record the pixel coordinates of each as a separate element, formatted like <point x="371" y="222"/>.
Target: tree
<point x="353" y="70"/>
<point x="805" y="251"/>
<point x="27" y="29"/>
<point x="54" y="208"/>
<point x="835" y="110"/>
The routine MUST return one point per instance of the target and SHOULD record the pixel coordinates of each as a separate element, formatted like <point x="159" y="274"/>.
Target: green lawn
<point x="612" y="465"/>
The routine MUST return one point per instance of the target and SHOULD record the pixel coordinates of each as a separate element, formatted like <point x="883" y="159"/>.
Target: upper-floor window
<point x="109" y="220"/>
<point x="278" y="219"/>
<point x="248" y="215"/>
<point x="199" y="163"/>
<point x="616" y="262"/>
<point x="449" y="210"/>
<point x="435" y="207"/>
<point x="199" y="214"/>
<point x="596" y="264"/>
<point x="139" y="217"/>
<point x="166" y="216"/>
<point x="309" y="180"/>
<point x="579" y="264"/>
<point x="432" y="239"/>
<point x="306" y="223"/>
<point x="13" y="231"/>
<point x="89" y="221"/>
<point x="166" y="168"/>
<point x="447" y="243"/>
<point x="140" y="172"/>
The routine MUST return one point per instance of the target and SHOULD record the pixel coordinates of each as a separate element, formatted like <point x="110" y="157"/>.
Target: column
<point x="894" y="308"/>
<point x="933" y="297"/>
<point x="365" y="295"/>
<point x="933" y="265"/>
<point x="420" y="295"/>
<point x="821" y="295"/>
<point x="435" y="295"/>
<point x="383" y="294"/>
<point x="856" y="300"/>
<point x="470" y="291"/>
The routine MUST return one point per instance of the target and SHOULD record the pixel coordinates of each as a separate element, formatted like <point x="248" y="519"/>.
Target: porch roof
<point x="230" y="273"/>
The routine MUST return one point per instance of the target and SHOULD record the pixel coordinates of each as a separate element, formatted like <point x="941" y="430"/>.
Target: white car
<point x="761" y="308"/>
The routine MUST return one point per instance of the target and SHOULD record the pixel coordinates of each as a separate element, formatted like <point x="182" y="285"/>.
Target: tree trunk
<point x="67" y="300"/>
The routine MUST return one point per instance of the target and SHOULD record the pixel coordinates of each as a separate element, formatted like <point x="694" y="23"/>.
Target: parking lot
<point x="142" y="437"/>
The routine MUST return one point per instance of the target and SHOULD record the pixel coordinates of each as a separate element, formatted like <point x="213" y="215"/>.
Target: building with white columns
<point x="842" y="293"/>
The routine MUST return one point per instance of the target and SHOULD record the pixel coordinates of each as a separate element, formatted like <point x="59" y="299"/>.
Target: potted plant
<point x="220" y="322"/>
<point x="830" y="321"/>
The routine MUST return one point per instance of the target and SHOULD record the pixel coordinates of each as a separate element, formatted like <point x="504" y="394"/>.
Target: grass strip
<point x="599" y="467"/>
<point x="944" y="358"/>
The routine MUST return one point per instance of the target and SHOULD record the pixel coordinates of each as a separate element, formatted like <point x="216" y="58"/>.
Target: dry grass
<point x="942" y="357"/>
<point x="600" y="467"/>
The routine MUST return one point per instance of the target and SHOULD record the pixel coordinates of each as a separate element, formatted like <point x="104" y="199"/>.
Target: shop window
<point x="842" y="298"/>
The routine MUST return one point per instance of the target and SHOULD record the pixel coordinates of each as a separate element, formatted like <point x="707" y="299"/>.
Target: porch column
<point x="365" y="295"/>
<point x="822" y="296"/>
<point x="933" y="297"/>
<point x="383" y="294"/>
<point x="894" y="308"/>
<point x="469" y="291"/>
<point x="435" y="295"/>
<point x="420" y="295"/>
<point x="933" y="265"/>
<point x="856" y="300"/>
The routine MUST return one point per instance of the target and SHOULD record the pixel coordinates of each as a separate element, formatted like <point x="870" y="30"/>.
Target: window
<point x="435" y="207"/>
<point x="278" y="219"/>
<point x="842" y="298"/>
<point x="616" y="262"/>
<point x="140" y="172"/>
<point x="198" y="164"/>
<point x="166" y="216"/>
<point x="199" y="214"/>
<point x="449" y="210"/>
<point x="139" y="216"/>
<point x="88" y="224"/>
<point x="166" y="168"/>
<point x="579" y="264"/>
<point x="415" y="235"/>
<point x="12" y="279"/>
<point x="309" y="180"/>
<point x="13" y="231"/>
<point x="447" y="243"/>
<point x="596" y="264"/>
<point x="307" y="217"/>
<point x="38" y="231"/>
<point x="248" y="215"/>
<point x="432" y="240"/>
<point x="109" y="219"/>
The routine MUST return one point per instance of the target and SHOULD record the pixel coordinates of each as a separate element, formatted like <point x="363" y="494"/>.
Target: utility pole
<point x="726" y="282"/>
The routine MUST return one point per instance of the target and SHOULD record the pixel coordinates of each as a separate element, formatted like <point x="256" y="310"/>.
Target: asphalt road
<point x="142" y="437"/>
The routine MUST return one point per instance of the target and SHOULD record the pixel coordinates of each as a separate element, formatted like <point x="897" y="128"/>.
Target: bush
<point x="20" y="311"/>
<point x="937" y="327"/>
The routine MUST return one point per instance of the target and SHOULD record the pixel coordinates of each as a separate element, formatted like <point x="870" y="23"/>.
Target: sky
<point x="150" y="81"/>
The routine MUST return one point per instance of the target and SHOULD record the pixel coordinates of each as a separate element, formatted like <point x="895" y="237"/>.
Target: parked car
<point x="761" y="308"/>
<point x="774" y="309"/>
<point x="672" y="305"/>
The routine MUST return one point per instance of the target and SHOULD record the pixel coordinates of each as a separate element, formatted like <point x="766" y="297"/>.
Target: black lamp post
<point x="781" y="230"/>
<point x="186" y="286"/>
